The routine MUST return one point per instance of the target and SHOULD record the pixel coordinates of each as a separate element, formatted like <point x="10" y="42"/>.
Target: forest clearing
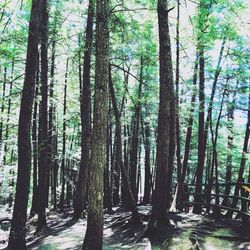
<point x="124" y="124"/>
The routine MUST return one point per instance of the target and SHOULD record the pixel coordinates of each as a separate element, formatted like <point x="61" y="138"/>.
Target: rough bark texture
<point x="201" y="152"/>
<point x="162" y="191"/>
<point x="17" y="232"/>
<point x="85" y="116"/>
<point x="94" y="234"/>
<point x="43" y="171"/>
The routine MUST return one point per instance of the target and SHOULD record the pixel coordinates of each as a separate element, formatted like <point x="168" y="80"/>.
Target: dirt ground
<point x="187" y="231"/>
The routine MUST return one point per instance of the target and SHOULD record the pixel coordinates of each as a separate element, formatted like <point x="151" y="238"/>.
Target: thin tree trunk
<point x="62" y="196"/>
<point x="43" y="171"/>
<point x="135" y="137"/>
<point x="8" y="115"/>
<point x="51" y="145"/>
<point x="147" y="182"/>
<point x="85" y="116"/>
<point x="242" y="163"/>
<point x="34" y="206"/>
<point x="180" y="195"/>
<point x="129" y="194"/>
<point x="230" y="137"/>
<point x="201" y="151"/>
<point x="3" y="107"/>
<point x="214" y="136"/>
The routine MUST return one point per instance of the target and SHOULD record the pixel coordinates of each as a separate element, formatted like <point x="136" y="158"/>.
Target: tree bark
<point x="43" y="171"/>
<point x="230" y="137"/>
<point x="180" y="195"/>
<point x="201" y="147"/>
<point x="8" y="114"/>
<point x="17" y="232"/>
<point x="94" y="234"/>
<point x="165" y="146"/>
<point x="3" y="107"/>
<point x="147" y="182"/>
<point x="129" y="194"/>
<point x="34" y="206"/>
<point x="135" y="137"/>
<point x="85" y="117"/>
<point x="62" y="196"/>
<point x="242" y="162"/>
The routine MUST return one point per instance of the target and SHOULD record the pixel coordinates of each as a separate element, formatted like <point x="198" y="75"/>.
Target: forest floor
<point x="187" y="231"/>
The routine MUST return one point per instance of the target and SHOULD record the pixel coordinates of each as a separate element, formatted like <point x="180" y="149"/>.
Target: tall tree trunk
<point x="107" y="182"/>
<point x="165" y="146"/>
<point x="129" y="194"/>
<point x="34" y="205"/>
<point x="180" y="195"/>
<point x="242" y="162"/>
<point x="3" y="107"/>
<point x="147" y="182"/>
<point x="201" y="151"/>
<point x="43" y="171"/>
<point x="62" y="196"/>
<point x="214" y="137"/>
<point x="8" y="115"/>
<point x="51" y="143"/>
<point x="18" y="230"/>
<point x="85" y="116"/>
<point x="211" y="101"/>
<point x="204" y="10"/>
<point x="94" y="234"/>
<point x="135" y="137"/>
<point x="177" y="80"/>
<point x="230" y="127"/>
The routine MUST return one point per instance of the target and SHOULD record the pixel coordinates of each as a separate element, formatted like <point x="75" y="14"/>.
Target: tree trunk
<point x="85" y="117"/>
<point x="177" y="80"/>
<point x="230" y="127"/>
<point x="214" y="136"/>
<point x="18" y="230"/>
<point x="242" y="163"/>
<point x="135" y="137"/>
<point x="3" y="107"/>
<point x="147" y="182"/>
<point x="62" y="196"/>
<point x="165" y="146"/>
<point x="180" y="195"/>
<point x="201" y="150"/>
<point x="34" y="206"/>
<point x="8" y="115"/>
<point x="94" y="234"/>
<point x="129" y="194"/>
<point x="51" y="132"/>
<point x="43" y="171"/>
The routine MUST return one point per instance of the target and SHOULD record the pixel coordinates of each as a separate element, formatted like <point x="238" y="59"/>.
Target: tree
<point x="85" y="116"/>
<point x="94" y="233"/>
<point x="166" y="125"/>
<point x="43" y="171"/>
<point x="17" y="232"/>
